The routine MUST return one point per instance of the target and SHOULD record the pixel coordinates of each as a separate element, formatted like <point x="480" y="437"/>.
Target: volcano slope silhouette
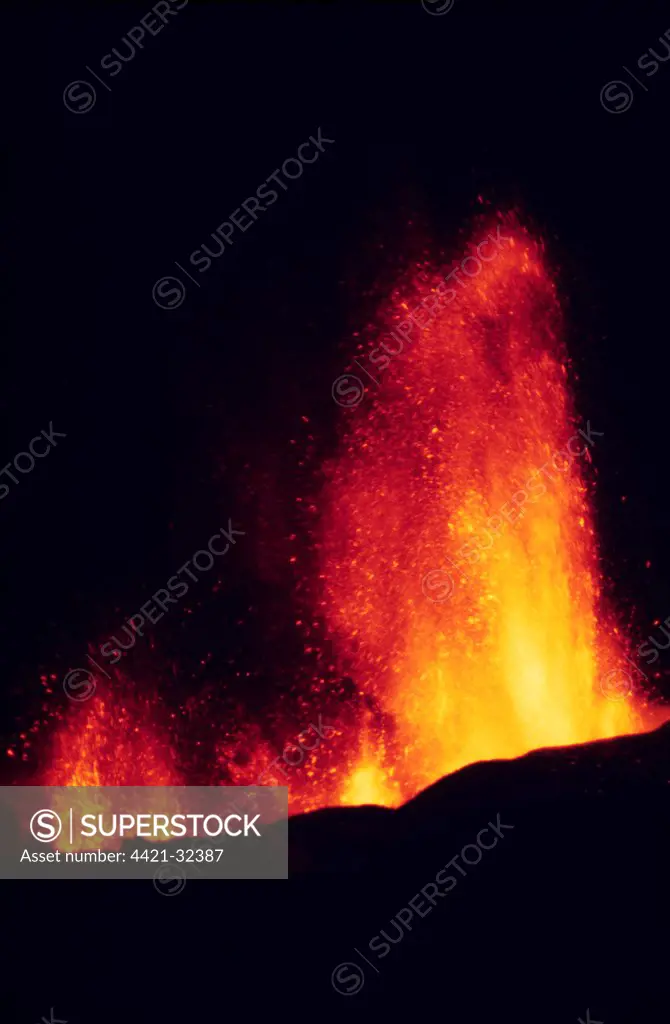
<point x="567" y="913"/>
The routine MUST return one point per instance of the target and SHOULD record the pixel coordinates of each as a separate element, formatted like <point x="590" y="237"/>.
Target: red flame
<point x="459" y="579"/>
<point x="109" y="741"/>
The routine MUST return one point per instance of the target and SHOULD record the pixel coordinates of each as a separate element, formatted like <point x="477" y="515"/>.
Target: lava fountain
<point x="458" y="614"/>
<point x="459" y="574"/>
<point x="112" y="741"/>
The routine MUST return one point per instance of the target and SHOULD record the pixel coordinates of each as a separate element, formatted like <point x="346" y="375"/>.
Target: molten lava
<point x="111" y="741"/>
<point x="458" y="614"/>
<point x="459" y="576"/>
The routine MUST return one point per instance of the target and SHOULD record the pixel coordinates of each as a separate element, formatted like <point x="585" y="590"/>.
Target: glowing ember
<point x="111" y="742"/>
<point x="458" y="574"/>
<point x="460" y="580"/>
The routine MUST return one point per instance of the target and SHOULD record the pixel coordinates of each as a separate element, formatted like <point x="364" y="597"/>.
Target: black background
<point x="163" y="409"/>
<point x="172" y="417"/>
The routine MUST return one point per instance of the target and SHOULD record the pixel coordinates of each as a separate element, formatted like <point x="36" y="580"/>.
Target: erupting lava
<point x="459" y="574"/>
<point x="458" y="578"/>
<point x="111" y="743"/>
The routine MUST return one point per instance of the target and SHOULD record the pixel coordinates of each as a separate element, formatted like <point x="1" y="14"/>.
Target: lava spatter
<point x="459" y="574"/>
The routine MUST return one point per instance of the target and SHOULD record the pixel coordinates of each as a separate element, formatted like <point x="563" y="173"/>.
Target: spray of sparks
<point x="460" y="578"/>
<point x="458" y="582"/>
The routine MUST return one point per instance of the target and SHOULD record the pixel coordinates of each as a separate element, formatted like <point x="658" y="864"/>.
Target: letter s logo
<point x="45" y="826"/>
<point x="168" y="297"/>
<point x="654" y="655"/>
<point x="347" y="982"/>
<point x="348" y="391"/>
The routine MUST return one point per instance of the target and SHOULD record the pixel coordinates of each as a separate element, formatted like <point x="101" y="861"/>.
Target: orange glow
<point x="493" y="650"/>
<point x="110" y="742"/>
<point x="458" y="578"/>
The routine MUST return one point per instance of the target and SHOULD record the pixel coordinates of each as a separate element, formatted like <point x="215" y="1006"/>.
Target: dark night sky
<point x="176" y="420"/>
<point x="162" y="408"/>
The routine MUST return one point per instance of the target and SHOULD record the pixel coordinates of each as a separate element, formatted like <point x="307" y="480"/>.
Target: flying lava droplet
<point x="460" y="573"/>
